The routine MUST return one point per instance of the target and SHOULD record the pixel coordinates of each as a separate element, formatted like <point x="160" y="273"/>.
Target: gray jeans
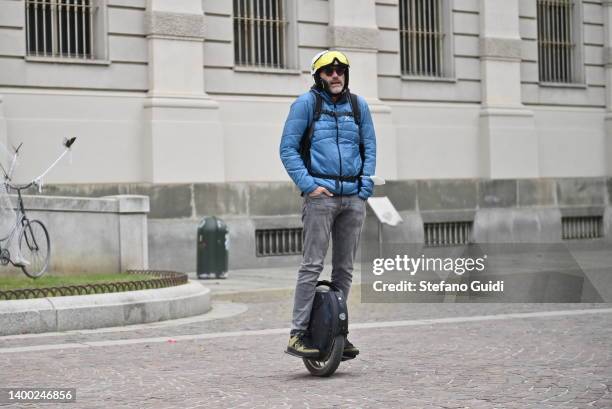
<point x="340" y="217"/>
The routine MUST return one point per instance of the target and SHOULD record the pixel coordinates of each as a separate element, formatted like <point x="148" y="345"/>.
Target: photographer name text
<point x="441" y="286"/>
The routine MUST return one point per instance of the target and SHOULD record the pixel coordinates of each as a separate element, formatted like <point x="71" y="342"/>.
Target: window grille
<point x="556" y="43"/>
<point x="581" y="227"/>
<point x="259" y="33"/>
<point x="447" y="233"/>
<point x="60" y="28"/>
<point x="422" y="37"/>
<point x="278" y="242"/>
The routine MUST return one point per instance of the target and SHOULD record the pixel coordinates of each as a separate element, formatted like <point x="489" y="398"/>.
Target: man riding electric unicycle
<point x="328" y="148"/>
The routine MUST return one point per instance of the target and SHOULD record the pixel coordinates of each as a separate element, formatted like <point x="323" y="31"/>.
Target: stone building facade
<point x="165" y="105"/>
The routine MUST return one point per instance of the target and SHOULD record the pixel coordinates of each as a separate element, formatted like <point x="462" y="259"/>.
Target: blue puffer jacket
<point x="334" y="147"/>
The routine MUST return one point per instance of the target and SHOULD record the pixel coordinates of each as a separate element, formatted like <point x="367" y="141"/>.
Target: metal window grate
<point x="421" y="37"/>
<point x="555" y="40"/>
<point x="278" y="242"/>
<point x="60" y="28"/>
<point x="447" y="233"/>
<point x="259" y="33"/>
<point x="581" y="227"/>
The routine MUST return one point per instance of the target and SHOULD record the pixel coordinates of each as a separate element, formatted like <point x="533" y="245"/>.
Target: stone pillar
<point x="353" y="30"/>
<point x="508" y="142"/>
<point x="183" y="135"/>
<point x="133" y="235"/>
<point x="607" y="17"/>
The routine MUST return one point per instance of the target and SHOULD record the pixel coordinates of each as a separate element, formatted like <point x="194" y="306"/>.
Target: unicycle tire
<point x="329" y="365"/>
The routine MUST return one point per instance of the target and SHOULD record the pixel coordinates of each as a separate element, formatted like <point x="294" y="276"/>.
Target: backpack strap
<point x="356" y="108"/>
<point x="317" y="107"/>
<point x="357" y="117"/>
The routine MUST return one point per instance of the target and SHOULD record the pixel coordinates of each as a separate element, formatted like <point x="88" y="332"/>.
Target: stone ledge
<point x="54" y="314"/>
<point x="108" y="204"/>
<point x="442" y="216"/>
<point x="582" y="211"/>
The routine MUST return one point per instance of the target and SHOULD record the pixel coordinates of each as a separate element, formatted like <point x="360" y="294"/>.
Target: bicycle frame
<point x="20" y="221"/>
<point x="9" y="174"/>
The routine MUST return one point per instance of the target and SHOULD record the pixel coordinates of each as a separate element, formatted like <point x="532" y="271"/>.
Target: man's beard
<point x="327" y="87"/>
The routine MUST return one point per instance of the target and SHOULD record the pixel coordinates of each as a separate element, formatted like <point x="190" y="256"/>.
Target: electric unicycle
<point x="327" y="329"/>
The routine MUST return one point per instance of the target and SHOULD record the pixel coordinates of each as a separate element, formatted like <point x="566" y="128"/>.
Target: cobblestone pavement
<point x="539" y="362"/>
<point x="272" y="309"/>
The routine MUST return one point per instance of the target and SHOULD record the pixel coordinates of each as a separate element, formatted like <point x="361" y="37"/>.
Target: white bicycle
<point x="33" y="243"/>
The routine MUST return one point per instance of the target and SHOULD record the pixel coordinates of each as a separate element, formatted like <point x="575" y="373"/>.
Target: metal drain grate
<point x="581" y="227"/>
<point x="278" y="242"/>
<point x="447" y="233"/>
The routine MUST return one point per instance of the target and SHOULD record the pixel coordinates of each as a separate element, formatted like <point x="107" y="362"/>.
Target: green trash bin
<point x="212" y="248"/>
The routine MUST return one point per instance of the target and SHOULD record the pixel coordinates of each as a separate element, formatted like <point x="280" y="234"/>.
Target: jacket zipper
<point x="338" y="146"/>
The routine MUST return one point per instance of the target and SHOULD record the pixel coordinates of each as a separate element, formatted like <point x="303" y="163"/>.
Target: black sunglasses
<point x="329" y="70"/>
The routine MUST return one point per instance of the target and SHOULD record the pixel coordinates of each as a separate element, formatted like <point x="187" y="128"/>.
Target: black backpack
<point x="306" y="140"/>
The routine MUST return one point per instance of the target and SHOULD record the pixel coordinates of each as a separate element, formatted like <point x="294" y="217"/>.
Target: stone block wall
<point x="91" y="235"/>
<point x="509" y="210"/>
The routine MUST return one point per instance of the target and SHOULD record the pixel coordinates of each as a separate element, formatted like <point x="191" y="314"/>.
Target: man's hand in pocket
<point x="320" y="191"/>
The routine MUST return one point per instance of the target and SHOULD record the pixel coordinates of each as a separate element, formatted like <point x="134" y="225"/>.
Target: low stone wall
<point x="80" y="312"/>
<point x="514" y="210"/>
<point x="107" y="234"/>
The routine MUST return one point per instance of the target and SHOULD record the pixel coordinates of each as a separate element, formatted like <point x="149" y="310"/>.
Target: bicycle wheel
<point x="35" y="247"/>
<point x="327" y="367"/>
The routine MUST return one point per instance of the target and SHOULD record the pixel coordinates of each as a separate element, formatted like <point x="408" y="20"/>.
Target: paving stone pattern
<point x="543" y="362"/>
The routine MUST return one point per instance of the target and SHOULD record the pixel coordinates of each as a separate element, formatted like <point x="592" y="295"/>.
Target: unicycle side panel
<point x="327" y="329"/>
<point x="322" y="323"/>
<point x="328" y="317"/>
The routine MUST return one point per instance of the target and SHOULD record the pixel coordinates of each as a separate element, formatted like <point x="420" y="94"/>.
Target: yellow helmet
<point x="325" y="58"/>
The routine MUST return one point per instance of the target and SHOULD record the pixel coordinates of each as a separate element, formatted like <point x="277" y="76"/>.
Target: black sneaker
<point x="298" y="346"/>
<point x="350" y="350"/>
